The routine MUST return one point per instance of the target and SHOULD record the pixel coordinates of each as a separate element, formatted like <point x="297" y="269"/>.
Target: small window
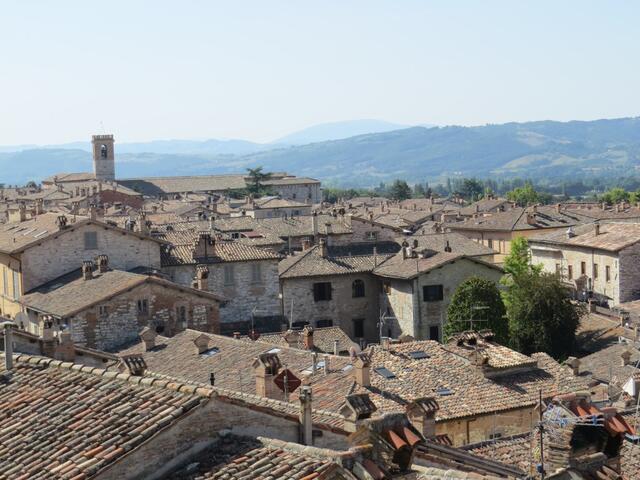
<point x="90" y="240"/>
<point x="256" y="273"/>
<point x="607" y="273"/>
<point x="181" y="314"/>
<point x="143" y="306"/>
<point x="595" y="270"/>
<point x="324" y="323"/>
<point x="371" y="236"/>
<point x="418" y="355"/>
<point x="434" y="333"/>
<point x="103" y="151"/>
<point x="16" y="284"/>
<point x="444" y="392"/>
<point x="322" y="291"/>
<point x="583" y="268"/>
<point x="229" y="277"/>
<point x="570" y="272"/>
<point x="494" y="436"/>
<point x="558" y="269"/>
<point x="358" y="327"/>
<point x="103" y="310"/>
<point x="432" y="293"/>
<point x="490" y="243"/>
<point x="386" y="287"/>
<point x="357" y="288"/>
<point x="235" y="235"/>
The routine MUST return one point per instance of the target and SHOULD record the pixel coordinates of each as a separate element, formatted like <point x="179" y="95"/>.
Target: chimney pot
<point x="323" y="248"/>
<point x="148" y="337"/>
<point x="362" y="370"/>
<point x="103" y="263"/>
<point x="307" y="338"/>
<point x="597" y="229"/>
<point x="65" y="350"/>
<point x="87" y="269"/>
<point x="8" y="344"/>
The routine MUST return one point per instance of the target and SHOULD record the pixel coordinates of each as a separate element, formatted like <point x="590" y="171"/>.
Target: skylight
<point x="443" y="392"/>
<point x="211" y="352"/>
<point x="418" y="355"/>
<point x="275" y="350"/>
<point x="385" y="372"/>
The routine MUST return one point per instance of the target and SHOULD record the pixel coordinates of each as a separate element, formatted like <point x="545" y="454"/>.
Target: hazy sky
<point x="261" y="69"/>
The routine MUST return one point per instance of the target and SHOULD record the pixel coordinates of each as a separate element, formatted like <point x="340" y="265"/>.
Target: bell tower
<point x="104" y="167"/>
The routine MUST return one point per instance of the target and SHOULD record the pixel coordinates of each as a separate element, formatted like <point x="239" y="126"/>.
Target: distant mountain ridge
<point x="532" y="150"/>
<point x="337" y="131"/>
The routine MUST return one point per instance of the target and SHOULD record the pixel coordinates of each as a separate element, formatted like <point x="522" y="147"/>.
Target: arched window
<point x="103" y="151"/>
<point x="357" y="288"/>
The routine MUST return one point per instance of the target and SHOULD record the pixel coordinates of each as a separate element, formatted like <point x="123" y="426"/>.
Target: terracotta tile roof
<point x="182" y="244"/>
<point x="516" y="450"/>
<point x="464" y="389"/>
<point x="611" y="237"/>
<point x="486" y="205"/>
<point x="323" y="339"/>
<point x="276" y="202"/>
<point x="515" y="219"/>
<point x="71" y="293"/>
<point x="468" y="344"/>
<point x="231" y="364"/>
<point x="61" y="421"/>
<point x="407" y="268"/>
<point x="354" y="258"/>
<point x="456" y="241"/>
<point x="18" y="236"/>
<point x="606" y="364"/>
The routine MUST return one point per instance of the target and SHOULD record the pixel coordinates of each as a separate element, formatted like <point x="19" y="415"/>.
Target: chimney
<point x="597" y="229"/>
<point x="8" y="344"/>
<point x="65" y="350"/>
<point x="362" y="370"/>
<point x="306" y="421"/>
<point x="625" y="358"/>
<point x="447" y="247"/>
<point x="202" y="343"/>
<point x="574" y="363"/>
<point x="336" y="347"/>
<point x="148" y="337"/>
<point x="558" y="207"/>
<point x="202" y="277"/>
<point x="307" y="337"/>
<point x="48" y="341"/>
<point x="237" y="335"/>
<point x="141" y="224"/>
<point x="357" y="407"/>
<point x="61" y="222"/>
<point x="535" y="209"/>
<point x="570" y="232"/>
<point x="323" y="248"/>
<point x="39" y="206"/>
<point x="531" y="219"/>
<point x="291" y="338"/>
<point x="306" y="244"/>
<point x="266" y="367"/>
<point x="103" y="263"/>
<point x="205" y="246"/>
<point x="314" y="225"/>
<point x="314" y="362"/>
<point x="422" y="414"/>
<point x="87" y="269"/>
<point x="326" y="364"/>
<point x="212" y="222"/>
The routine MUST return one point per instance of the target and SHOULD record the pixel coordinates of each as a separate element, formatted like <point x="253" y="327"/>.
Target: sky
<point x="258" y="70"/>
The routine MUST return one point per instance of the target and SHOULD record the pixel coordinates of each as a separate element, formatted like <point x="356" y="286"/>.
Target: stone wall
<point x="364" y="231"/>
<point x="299" y="192"/>
<point x="122" y="323"/>
<point x="629" y="274"/>
<point x="342" y="309"/>
<point x="245" y="294"/>
<point x="481" y="428"/>
<point x="174" y="445"/>
<point x="58" y="256"/>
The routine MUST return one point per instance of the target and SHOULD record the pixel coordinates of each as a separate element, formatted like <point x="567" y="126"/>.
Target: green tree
<point x="399" y="190"/>
<point x="615" y="195"/>
<point x="31" y="184"/>
<point x="518" y="261"/>
<point x="480" y="299"/>
<point x="542" y="317"/>
<point x="471" y="189"/>
<point x="525" y="195"/>
<point x="418" y="191"/>
<point x="256" y="180"/>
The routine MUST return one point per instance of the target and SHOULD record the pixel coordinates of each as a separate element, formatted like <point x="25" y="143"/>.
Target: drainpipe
<point x="8" y="344"/>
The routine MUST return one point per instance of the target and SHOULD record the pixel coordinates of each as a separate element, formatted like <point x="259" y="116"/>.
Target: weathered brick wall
<point x="174" y="445"/>
<point x="56" y="257"/>
<point x="244" y="294"/>
<point x="342" y="309"/>
<point x="123" y="322"/>
<point x="480" y="428"/>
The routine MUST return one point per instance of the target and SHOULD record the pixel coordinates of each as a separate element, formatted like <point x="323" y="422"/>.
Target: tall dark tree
<point x="399" y="190"/>
<point x="476" y="305"/>
<point x="542" y="317"/>
<point x="256" y="181"/>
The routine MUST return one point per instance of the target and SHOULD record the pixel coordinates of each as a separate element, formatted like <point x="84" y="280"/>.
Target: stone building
<point x="273" y="207"/>
<point x="105" y="309"/>
<point x="246" y="276"/>
<point x="596" y="260"/>
<point x="496" y="230"/>
<point x="40" y="249"/>
<point x="417" y="286"/>
<point x="334" y="286"/>
<point x="103" y="157"/>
